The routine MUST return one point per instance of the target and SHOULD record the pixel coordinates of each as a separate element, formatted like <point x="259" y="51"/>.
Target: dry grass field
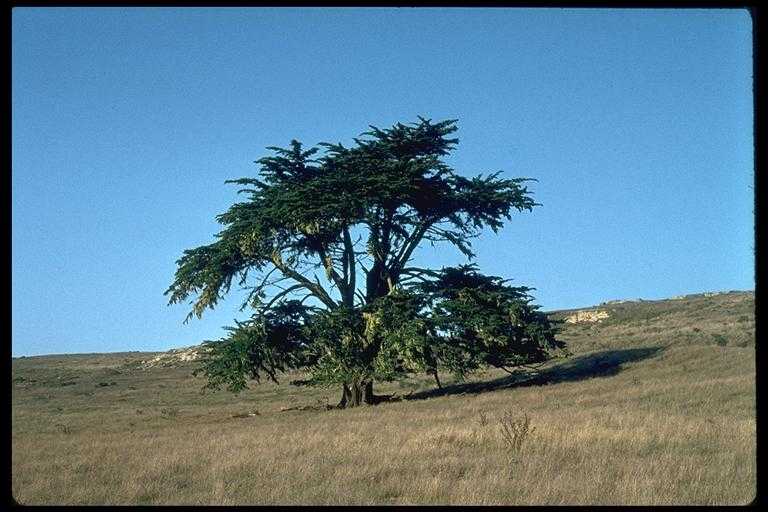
<point x="655" y="406"/>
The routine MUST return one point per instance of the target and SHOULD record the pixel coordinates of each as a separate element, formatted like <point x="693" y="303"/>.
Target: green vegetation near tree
<point x="357" y="214"/>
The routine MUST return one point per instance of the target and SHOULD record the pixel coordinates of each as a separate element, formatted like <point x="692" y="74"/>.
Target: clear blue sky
<point x="126" y="122"/>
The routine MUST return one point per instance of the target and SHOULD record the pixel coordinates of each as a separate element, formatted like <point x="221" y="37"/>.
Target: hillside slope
<point x="725" y="319"/>
<point x="656" y="405"/>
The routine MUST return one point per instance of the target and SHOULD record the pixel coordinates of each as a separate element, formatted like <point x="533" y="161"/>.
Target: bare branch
<point x="316" y="289"/>
<point x="419" y="270"/>
<point x="350" y="266"/>
<point x="408" y="247"/>
<point x="330" y="271"/>
<point x="282" y="294"/>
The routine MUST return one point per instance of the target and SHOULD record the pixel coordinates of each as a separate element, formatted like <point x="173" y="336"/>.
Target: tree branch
<point x="316" y="289"/>
<point x="419" y="270"/>
<point x="352" y="270"/>
<point x="331" y="272"/>
<point x="408" y="247"/>
<point x="282" y="294"/>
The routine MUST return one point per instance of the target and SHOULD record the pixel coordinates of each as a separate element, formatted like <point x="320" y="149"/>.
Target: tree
<point x="356" y="215"/>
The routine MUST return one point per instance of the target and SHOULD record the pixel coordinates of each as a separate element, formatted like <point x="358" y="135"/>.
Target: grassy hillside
<point x="655" y="406"/>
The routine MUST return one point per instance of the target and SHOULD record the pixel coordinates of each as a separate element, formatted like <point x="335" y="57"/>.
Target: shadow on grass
<point x="599" y="364"/>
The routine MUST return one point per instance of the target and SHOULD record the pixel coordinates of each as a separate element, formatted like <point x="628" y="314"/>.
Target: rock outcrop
<point x="586" y="316"/>
<point x="175" y="357"/>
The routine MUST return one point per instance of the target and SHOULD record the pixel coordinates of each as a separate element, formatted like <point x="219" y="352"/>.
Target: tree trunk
<point x="437" y="379"/>
<point x="376" y="282"/>
<point x="346" y="395"/>
<point x="356" y="394"/>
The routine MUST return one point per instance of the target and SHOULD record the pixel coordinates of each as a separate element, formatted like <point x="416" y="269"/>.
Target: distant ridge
<point x="176" y="355"/>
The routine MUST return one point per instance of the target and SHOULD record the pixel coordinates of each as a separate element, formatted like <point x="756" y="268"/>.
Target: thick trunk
<point x="376" y="282"/>
<point x="345" y="396"/>
<point x="356" y="394"/>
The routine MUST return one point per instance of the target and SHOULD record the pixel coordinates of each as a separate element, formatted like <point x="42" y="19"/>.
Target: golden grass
<point x="675" y="427"/>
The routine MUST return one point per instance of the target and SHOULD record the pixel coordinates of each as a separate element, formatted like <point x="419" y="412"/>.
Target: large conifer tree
<point x="356" y="215"/>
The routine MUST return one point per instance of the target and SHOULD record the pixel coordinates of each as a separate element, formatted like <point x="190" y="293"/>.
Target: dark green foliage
<point x="268" y="343"/>
<point x="357" y="215"/>
<point x="483" y="321"/>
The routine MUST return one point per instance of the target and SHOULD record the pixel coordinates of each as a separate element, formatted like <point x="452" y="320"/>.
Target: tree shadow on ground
<point x="598" y="364"/>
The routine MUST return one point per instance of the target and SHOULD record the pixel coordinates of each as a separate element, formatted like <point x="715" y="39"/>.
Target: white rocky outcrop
<point x="586" y="316"/>
<point x="176" y="356"/>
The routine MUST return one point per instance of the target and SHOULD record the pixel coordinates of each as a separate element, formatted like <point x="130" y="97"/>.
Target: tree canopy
<point x="356" y="215"/>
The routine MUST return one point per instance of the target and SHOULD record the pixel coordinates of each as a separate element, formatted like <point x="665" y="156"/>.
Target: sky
<point x="126" y="122"/>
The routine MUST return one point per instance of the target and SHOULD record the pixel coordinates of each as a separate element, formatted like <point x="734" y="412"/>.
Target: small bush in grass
<point x="482" y="418"/>
<point x="64" y="429"/>
<point x="514" y="432"/>
<point x="720" y="340"/>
